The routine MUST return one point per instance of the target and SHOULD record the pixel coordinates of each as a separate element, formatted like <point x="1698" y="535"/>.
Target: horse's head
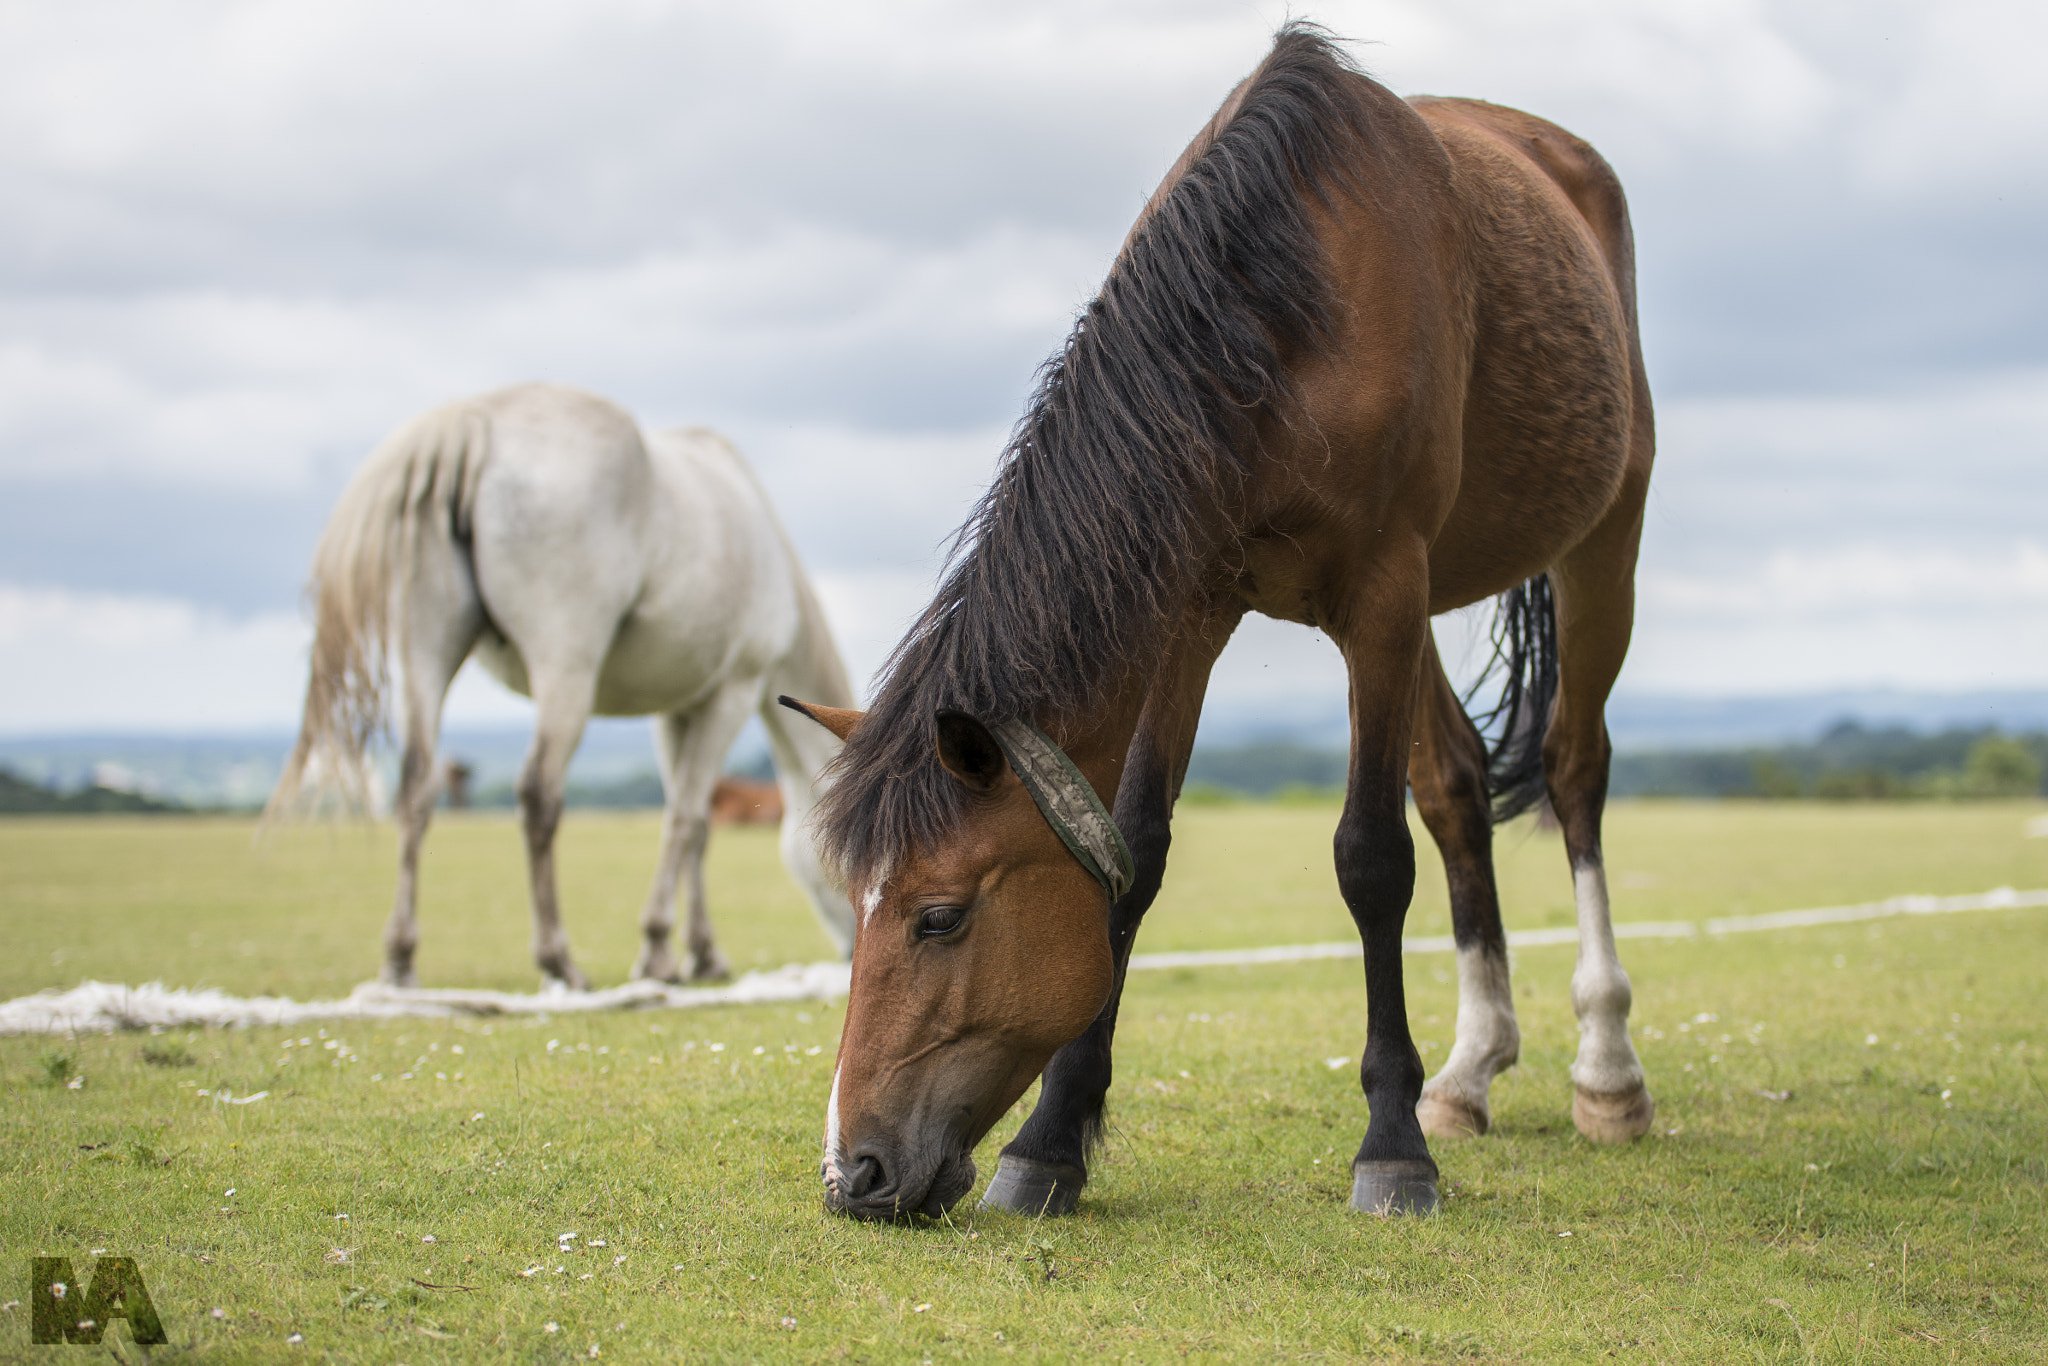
<point x="977" y="956"/>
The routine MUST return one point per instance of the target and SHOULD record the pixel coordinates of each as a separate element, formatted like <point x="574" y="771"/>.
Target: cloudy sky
<point x="239" y="242"/>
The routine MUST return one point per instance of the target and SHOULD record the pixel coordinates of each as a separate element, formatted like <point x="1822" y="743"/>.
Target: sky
<point x="240" y="242"/>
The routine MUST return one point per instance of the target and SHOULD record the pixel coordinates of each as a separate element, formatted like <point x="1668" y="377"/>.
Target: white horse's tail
<point x="412" y="499"/>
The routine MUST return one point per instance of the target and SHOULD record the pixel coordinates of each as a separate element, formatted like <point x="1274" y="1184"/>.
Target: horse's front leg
<point x="1043" y="1169"/>
<point x="1383" y="641"/>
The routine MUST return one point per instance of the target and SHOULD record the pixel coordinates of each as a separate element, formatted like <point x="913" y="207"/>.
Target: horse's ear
<point x="839" y="720"/>
<point x="969" y="752"/>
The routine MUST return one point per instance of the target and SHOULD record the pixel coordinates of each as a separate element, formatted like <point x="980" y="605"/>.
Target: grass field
<point x="1892" y="1209"/>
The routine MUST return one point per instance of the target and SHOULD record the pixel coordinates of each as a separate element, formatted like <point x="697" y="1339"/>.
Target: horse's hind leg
<point x="1595" y="591"/>
<point x="1448" y="777"/>
<point x="442" y="620"/>
<point x="562" y="709"/>
<point x="693" y="746"/>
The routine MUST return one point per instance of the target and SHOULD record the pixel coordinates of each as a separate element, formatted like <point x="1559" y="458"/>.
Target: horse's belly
<point x="1522" y="504"/>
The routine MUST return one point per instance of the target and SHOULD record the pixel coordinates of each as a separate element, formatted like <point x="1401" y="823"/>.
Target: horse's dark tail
<point x="1525" y="664"/>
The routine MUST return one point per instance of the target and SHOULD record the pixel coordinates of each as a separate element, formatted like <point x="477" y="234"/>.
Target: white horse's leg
<point x="693" y="748"/>
<point x="417" y="793"/>
<point x="442" y="620"/>
<point x="562" y="707"/>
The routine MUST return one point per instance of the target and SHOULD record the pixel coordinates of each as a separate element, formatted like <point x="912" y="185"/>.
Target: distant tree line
<point x="1847" y="763"/>
<point x="1850" y="762"/>
<point x="20" y="797"/>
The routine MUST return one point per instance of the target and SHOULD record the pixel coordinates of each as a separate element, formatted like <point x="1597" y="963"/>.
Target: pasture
<point x="400" y="1193"/>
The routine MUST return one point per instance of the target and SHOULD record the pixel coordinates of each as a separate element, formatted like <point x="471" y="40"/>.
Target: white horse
<point x="593" y="569"/>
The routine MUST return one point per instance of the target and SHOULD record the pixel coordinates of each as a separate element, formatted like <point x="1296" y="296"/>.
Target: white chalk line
<point x="103" y="1007"/>
<point x="1997" y="899"/>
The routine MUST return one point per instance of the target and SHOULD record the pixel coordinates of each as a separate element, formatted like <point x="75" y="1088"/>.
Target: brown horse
<point x="1360" y="361"/>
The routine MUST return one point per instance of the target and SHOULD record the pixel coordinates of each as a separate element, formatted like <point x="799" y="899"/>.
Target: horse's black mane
<point x="1121" y="476"/>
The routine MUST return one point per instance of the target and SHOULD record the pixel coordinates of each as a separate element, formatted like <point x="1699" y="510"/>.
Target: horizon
<point x="239" y="768"/>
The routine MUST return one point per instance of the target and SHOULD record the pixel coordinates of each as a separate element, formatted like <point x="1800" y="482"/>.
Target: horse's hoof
<point x="1026" y="1186"/>
<point x="405" y="978"/>
<point x="568" y="977"/>
<point x="709" y="966"/>
<point x="1445" y="1114"/>
<point x="1616" y="1117"/>
<point x="662" y="969"/>
<point x="1385" y="1188"/>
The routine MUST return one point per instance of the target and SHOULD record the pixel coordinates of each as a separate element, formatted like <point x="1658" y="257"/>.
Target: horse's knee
<point x="1375" y="866"/>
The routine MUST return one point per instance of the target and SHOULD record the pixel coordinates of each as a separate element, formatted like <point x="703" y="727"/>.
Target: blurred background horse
<point x="595" y="569"/>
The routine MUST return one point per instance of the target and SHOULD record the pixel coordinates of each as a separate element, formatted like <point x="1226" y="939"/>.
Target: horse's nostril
<point x="864" y="1176"/>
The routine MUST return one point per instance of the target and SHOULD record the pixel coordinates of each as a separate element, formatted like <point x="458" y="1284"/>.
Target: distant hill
<point x="1849" y="760"/>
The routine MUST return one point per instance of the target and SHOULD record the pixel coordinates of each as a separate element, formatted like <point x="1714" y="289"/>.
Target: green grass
<point x="1867" y="1218"/>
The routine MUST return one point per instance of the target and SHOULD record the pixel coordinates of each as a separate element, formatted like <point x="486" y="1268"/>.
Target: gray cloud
<point x="244" y="240"/>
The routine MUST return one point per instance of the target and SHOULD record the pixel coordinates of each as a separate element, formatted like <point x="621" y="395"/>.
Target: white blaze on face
<point x="830" y="1166"/>
<point x="870" y="902"/>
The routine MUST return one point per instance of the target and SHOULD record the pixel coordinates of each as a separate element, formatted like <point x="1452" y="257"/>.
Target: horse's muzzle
<point x="878" y="1183"/>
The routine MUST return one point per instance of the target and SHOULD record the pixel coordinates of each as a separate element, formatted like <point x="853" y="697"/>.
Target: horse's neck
<point x="1098" y="738"/>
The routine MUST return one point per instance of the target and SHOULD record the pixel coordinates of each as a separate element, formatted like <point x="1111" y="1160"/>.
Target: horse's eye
<point x="939" y="921"/>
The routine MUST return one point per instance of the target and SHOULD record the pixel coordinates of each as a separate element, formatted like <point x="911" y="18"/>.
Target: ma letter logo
<point x="65" y="1312"/>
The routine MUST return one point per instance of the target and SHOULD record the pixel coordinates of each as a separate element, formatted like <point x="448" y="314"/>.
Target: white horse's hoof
<point x="661" y="968"/>
<point x="1617" y="1117"/>
<point x="568" y="978"/>
<point x="1446" y="1114"/>
<point x="709" y="965"/>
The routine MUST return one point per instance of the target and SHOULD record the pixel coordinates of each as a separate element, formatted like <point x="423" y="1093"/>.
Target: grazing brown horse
<point x="1360" y="361"/>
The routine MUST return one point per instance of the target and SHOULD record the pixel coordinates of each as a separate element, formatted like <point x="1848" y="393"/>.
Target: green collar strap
<point x="1069" y="804"/>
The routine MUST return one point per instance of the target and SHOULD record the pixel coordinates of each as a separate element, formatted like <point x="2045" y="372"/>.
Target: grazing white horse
<point x="592" y="568"/>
